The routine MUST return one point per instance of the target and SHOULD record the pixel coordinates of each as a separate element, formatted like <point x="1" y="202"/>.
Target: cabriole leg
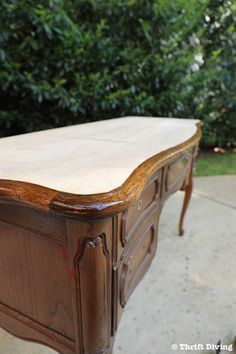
<point x="188" y="187"/>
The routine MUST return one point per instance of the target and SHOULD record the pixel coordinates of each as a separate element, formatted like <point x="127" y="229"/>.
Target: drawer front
<point x="137" y="212"/>
<point x="176" y="173"/>
<point x="138" y="257"/>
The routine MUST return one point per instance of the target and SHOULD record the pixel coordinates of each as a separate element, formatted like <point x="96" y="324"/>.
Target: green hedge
<point x="65" y="62"/>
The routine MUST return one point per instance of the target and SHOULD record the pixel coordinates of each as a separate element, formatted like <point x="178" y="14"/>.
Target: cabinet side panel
<point x="34" y="278"/>
<point x="33" y="220"/>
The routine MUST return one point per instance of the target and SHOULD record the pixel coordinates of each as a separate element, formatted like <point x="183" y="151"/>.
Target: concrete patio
<point x="189" y="293"/>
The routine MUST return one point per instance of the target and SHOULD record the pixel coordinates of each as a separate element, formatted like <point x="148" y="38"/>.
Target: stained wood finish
<point x="69" y="263"/>
<point x="25" y="218"/>
<point x="138" y="256"/>
<point x="138" y="211"/>
<point x="29" y="263"/>
<point x="187" y="187"/>
<point x="176" y="173"/>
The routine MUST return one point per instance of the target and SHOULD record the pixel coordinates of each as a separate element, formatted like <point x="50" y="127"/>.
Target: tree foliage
<point x="64" y="62"/>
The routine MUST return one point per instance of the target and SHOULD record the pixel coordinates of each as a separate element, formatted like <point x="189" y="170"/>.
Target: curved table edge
<point x="94" y="205"/>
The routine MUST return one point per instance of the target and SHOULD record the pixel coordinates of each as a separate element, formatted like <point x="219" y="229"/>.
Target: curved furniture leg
<point x="188" y="187"/>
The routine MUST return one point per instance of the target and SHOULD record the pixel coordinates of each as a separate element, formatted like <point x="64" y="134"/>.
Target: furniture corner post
<point x="92" y="275"/>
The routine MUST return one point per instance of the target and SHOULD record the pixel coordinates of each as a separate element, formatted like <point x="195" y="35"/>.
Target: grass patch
<point x="210" y="164"/>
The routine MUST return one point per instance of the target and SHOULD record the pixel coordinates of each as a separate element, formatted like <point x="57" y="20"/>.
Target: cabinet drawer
<point x="176" y="172"/>
<point x="138" y="257"/>
<point x="148" y="200"/>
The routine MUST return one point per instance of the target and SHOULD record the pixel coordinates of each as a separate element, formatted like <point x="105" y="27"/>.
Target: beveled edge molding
<point x="95" y="205"/>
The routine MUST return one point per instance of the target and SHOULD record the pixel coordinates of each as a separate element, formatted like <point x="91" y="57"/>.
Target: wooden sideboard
<point x="79" y="214"/>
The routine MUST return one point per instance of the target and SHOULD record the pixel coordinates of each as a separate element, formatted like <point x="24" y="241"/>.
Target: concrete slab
<point x="218" y="188"/>
<point x="189" y="294"/>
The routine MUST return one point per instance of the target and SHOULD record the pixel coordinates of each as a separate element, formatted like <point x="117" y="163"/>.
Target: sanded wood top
<point x="90" y="158"/>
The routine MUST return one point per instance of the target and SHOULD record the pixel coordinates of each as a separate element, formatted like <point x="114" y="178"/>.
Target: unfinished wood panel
<point x="65" y="158"/>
